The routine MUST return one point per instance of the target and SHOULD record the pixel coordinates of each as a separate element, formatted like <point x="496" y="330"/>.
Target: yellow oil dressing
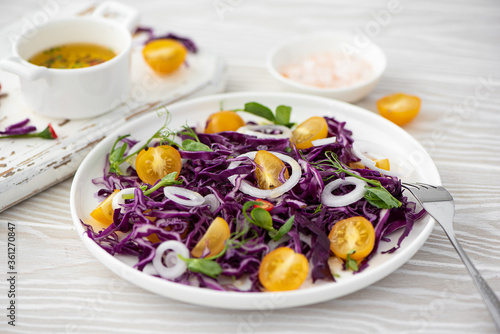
<point x="74" y="55"/>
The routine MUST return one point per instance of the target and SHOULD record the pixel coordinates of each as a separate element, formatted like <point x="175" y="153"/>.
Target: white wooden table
<point x="448" y="53"/>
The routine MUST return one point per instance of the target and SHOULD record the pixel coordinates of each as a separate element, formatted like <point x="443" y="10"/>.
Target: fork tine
<point x="424" y="192"/>
<point x="426" y="186"/>
<point x="408" y="185"/>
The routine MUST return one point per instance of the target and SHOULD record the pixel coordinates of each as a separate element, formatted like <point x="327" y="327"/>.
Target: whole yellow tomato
<point x="164" y="55"/>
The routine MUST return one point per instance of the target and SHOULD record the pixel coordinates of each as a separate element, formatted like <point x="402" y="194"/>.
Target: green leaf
<point x="350" y="263"/>
<point x="381" y="198"/>
<point x="283" y="115"/>
<point x="318" y="208"/>
<point x="259" y="110"/>
<point x="117" y="153"/>
<point x="203" y="266"/>
<point x="284" y="229"/>
<point x="194" y="146"/>
<point x="116" y="158"/>
<point x="262" y="218"/>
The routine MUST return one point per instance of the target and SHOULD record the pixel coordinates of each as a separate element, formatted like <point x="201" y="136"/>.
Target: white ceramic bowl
<point x="295" y="49"/>
<point x="82" y="92"/>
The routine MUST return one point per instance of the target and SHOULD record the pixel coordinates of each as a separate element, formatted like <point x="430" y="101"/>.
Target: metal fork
<point x="439" y="203"/>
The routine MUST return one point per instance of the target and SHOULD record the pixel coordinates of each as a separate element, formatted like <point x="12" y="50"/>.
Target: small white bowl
<point x="301" y="47"/>
<point x="81" y="92"/>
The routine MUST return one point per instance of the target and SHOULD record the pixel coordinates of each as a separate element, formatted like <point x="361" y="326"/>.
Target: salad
<point x="248" y="206"/>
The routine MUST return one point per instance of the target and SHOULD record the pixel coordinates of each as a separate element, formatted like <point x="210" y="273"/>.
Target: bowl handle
<point x="123" y="14"/>
<point x="14" y="65"/>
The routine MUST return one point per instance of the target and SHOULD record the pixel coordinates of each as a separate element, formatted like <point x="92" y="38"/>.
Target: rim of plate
<point x="260" y="300"/>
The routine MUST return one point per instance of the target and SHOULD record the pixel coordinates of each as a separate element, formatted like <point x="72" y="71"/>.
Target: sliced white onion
<point x="117" y="201"/>
<point x="274" y="244"/>
<point x="331" y="200"/>
<point x="361" y="148"/>
<point x="325" y="141"/>
<point x="173" y="266"/>
<point x="253" y="130"/>
<point x="244" y="283"/>
<point x="248" y="189"/>
<point x="212" y="201"/>
<point x="193" y="198"/>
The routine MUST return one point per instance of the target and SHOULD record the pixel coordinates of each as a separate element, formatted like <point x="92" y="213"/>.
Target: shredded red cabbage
<point x="19" y="128"/>
<point x="207" y="173"/>
<point x="187" y="42"/>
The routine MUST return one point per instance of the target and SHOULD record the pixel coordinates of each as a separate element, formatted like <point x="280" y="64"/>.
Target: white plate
<point x="364" y="124"/>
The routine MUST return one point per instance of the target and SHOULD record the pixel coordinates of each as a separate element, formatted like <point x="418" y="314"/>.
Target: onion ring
<point x="325" y="141"/>
<point x="212" y="202"/>
<point x="361" y="148"/>
<point x="194" y="199"/>
<point x="174" y="266"/>
<point x="251" y="130"/>
<point x="117" y="201"/>
<point x="248" y="189"/>
<point x="331" y="200"/>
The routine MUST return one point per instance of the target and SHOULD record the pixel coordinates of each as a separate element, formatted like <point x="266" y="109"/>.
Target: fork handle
<point x="489" y="296"/>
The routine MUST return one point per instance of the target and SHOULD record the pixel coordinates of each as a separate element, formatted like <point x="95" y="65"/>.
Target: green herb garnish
<point x="263" y="219"/>
<point x="350" y="263"/>
<point x="280" y="117"/>
<point x="203" y="266"/>
<point x="191" y="145"/>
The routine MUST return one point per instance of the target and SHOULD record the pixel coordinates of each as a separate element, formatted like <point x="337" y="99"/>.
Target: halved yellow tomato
<point x="214" y="238"/>
<point x="103" y="213"/>
<point x="312" y="129"/>
<point x="154" y="163"/>
<point x="399" y="108"/>
<point x="283" y="270"/>
<point x="226" y="120"/>
<point x="356" y="165"/>
<point x="164" y="55"/>
<point x="269" y="169"/>
<point x="352" y="234"/>
<point x="382" y="164"/>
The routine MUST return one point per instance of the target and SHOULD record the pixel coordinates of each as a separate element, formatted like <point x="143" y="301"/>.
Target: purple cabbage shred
<point x="19" y="128"/>
<point x="187" y="42"/>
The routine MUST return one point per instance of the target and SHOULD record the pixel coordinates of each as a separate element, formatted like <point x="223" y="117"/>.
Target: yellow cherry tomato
<point x="382" y="164"/>
<point x="283" y="270"/>
<point x="399" y="108"/>
<point x="312" y="129"/>
<point x="214" y="238"/>
<point x="226" y="120"/>
<point x="268" y="170"/>
<point x="355" y="233"/>
<point x="103" y="213"/>
<point x="154" y="163"/>
<point x="164" y="55"/>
